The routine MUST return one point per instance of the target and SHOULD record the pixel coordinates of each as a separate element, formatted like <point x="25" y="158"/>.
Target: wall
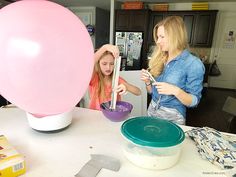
<point x="225" y="57"/>
<point x="97" y="17"/>
<point x="86" y="15"/>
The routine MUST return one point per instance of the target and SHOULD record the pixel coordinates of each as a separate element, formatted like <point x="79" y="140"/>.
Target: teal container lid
<point x="152" y="131"/>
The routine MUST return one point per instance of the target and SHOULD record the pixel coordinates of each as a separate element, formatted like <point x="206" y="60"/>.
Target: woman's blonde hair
<point x="176" y="32"/>
<point x="101" y="84"/>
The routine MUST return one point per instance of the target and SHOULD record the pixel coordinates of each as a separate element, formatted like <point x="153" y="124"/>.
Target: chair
<point x="230" y="107"/>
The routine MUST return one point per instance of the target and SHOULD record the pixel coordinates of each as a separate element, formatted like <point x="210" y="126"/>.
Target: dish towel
<point x="216" y="147"/>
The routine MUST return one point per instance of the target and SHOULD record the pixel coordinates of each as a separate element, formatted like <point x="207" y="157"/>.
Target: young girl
<point x="100" y="87"/>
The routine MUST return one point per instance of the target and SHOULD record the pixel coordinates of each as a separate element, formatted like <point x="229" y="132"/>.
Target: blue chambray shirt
<point x="186" y="72"/>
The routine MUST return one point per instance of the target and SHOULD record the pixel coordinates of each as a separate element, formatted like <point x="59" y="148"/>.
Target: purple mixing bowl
<point x="120" y="113"/>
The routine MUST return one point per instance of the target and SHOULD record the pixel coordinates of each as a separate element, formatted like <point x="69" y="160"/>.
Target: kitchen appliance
<point x="130" y="45"/>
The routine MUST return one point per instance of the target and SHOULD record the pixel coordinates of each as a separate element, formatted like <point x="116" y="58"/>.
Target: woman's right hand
<point x="144" y="77"/>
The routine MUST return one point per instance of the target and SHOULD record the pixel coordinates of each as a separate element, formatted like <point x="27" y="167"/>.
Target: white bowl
<point x="50" y="123"/>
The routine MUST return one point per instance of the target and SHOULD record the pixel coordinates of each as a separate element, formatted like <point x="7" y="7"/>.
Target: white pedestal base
<point x="50" y="123"/>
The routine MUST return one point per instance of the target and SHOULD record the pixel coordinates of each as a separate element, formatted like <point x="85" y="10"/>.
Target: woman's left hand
<point x="121" y="89"/>
<point x="166" y="88"/>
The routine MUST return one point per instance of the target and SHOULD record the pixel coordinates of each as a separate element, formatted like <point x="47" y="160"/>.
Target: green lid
<point x="153" y="132"/>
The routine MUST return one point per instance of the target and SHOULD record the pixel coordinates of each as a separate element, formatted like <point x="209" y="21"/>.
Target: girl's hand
<point x="144" y="76"/>
<point x="113" y="49"/>
<point x="166" y="89"/>
<point x="121" y="89"/>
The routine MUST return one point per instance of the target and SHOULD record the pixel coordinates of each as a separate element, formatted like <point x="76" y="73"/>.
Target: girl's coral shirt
<point x="95" y="101"/>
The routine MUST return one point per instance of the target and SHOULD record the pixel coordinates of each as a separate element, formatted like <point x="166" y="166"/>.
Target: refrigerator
<point x="130" y="47"/>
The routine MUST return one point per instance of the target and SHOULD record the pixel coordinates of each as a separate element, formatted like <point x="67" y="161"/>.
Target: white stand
<point x="50" y="123"/>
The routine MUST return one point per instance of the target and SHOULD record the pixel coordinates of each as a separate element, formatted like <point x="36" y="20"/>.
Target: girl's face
<point x="162" y="39"/>
<point x="106" y="64"/>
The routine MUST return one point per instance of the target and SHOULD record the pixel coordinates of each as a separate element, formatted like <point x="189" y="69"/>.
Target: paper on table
<point x="115" y="80"/>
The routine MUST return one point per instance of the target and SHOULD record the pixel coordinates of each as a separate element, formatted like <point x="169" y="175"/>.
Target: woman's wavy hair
<point x="176" y="32"/>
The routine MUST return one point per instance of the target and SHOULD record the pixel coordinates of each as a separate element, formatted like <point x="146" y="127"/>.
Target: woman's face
<point x="106" y="64"/>
<point x="162" y="39"/>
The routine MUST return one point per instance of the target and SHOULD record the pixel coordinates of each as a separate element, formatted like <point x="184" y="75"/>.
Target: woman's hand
<point x="144" y="77"/>
<point x="121" y="89"/>
<point x="166" y="88"/>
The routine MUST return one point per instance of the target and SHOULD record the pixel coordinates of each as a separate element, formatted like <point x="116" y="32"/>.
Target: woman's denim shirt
<point x="186" y="72"/>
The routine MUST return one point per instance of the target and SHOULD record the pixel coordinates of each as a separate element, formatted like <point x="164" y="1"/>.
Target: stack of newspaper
<point x="216" y="147"/>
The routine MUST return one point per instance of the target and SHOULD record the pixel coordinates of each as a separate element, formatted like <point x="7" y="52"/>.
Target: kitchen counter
<point x="64" y="153"/>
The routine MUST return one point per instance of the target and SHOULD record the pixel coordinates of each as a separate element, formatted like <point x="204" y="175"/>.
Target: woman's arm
<point x="184" y="97"/>
<point x="145" y="78"/>
<point x="169" y="89"/>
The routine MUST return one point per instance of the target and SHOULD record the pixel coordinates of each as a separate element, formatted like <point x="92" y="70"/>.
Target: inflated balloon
<point x="46" y="57"/>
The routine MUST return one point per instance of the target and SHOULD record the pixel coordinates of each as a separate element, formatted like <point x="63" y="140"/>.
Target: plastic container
<point x="152" y="143"/>
<point x="123" y="109"/>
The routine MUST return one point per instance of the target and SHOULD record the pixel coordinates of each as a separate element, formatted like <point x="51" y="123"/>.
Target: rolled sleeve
<point x="195" y="82"/>
<point x="194" y="101"/>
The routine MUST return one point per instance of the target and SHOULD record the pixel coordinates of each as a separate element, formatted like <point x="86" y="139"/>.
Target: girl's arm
<point x="132" y="89"/>
<point x="124" y="87"/>
<point x="106" y="47"/>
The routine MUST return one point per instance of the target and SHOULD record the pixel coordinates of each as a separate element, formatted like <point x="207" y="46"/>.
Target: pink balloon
<point x="46" y="57"/>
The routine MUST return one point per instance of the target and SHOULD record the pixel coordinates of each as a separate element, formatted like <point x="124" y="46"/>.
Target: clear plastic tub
<point x="152" y="158"/>
<point x="152" y="143"/>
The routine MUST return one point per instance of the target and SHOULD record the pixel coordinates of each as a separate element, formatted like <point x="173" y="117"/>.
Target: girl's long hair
<point x="176" y="32"/>
<point x="101" y="84"/>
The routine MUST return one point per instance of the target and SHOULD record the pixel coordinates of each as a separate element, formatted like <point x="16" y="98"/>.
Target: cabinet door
<point x="154" y="19"/>
<point x="122" y="20"/>
<point x="131" y="20"/>
<point x="138" y="20"/>
<point x="189" y="20"/>
<point x="204" y="28"/>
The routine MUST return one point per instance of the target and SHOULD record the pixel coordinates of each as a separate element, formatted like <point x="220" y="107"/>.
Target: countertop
<point x="64" y="153"/>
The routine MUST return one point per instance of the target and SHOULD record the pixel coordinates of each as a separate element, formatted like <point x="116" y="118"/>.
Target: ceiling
<point x="105" y="4"/>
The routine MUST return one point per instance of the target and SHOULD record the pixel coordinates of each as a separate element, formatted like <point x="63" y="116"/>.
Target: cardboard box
<point x="159" y="7"/>
<point x="200" y="6"/>
<point x="12" y="164"/>
<point x="133" y="5"/>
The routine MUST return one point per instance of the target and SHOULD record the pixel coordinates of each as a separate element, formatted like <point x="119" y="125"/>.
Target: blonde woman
<point x="100" y="87"/>
<point x="178" y="74"/>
